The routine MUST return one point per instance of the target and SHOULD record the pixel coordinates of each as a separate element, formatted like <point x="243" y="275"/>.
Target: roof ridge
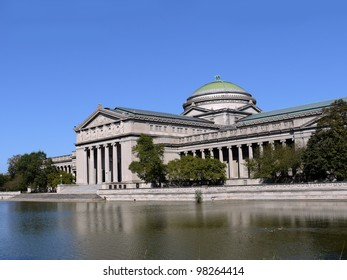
<point x="160" y="114"/>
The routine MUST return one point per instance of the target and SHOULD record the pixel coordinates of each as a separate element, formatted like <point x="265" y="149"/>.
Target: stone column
<point x="107" y="164"/>
<point x="92" y="175"/>
<point x="250" y="151"/>
<point x="261" y="148"/>
<point x="220" y="154"/>
<point x="194" y="153"/>
<point x="202" y="153"/>
<point x="230" y="154"/>
<point x="99" y="164"/>
<point x="272" y="143"/>
<point x="240" y="161"/>
<point x="114" y="160"/>
<point x="250" y="156"/>
<point x="283" y="142"/>
<point x="85" y="166"/>
<point x="211" y="153"/>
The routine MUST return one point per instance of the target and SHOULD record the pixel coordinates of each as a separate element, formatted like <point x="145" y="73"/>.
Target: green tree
<point x="326" y="155"/>
<point x="13" y="183"/>
<point x="33" y="169"/>
<point x="150" y="167"/>
<point x="279" y="164"/>
<point x="57" y="177"/>
<point x="189" y="170"/>
<point x="12" y="165"/>
<point x="3" y="180"/>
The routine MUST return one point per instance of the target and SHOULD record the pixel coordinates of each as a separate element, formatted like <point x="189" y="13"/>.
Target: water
<point x="172" y="230"/>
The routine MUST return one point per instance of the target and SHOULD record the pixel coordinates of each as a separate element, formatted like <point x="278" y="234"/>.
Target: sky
<point x="59" y="59"/>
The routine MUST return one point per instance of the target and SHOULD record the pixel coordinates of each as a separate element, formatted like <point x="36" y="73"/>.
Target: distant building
<point x="220" y="120"/>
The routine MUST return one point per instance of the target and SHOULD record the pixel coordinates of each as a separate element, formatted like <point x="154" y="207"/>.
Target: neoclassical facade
<point x="220" y="120"/>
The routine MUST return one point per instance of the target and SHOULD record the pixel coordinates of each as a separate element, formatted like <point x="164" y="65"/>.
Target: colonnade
<point x="102" y="163"/>
<point x="235" y="155"/>
<point x="65" y="168"/>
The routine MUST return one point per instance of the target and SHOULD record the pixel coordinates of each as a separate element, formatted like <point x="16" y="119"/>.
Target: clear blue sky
<point x="60" y="58"/>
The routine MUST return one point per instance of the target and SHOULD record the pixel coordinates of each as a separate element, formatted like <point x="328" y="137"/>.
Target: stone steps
<point x="78" y="189"/>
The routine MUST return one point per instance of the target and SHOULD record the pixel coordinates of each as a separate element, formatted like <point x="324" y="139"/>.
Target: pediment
<point x="312" y="122"/>
<point x="249" y="108"/>
<point x="100" y="118"/>
<point x="195" y="111"/>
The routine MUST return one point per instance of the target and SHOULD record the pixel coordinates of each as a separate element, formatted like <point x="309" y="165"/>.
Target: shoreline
<point x="286" y="192"/>
<point x="54" y="197"/>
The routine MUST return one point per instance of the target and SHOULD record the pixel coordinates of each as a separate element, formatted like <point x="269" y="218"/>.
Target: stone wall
<point x="328" y="191"/>
<point x="8" y="195"/>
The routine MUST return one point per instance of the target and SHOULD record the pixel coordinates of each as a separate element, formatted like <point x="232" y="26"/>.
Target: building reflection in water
<point x="172" y="230"/>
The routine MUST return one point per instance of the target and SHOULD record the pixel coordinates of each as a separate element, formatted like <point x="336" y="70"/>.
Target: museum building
<point x="220" y="120"/>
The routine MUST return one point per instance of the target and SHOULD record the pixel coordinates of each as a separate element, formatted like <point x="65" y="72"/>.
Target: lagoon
<point x="173" y="230"/>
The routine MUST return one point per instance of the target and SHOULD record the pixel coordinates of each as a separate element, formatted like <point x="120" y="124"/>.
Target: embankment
<point x="312" y="191"/>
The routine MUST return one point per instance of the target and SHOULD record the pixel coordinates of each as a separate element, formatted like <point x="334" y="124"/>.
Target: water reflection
<point x="171" y="230"/>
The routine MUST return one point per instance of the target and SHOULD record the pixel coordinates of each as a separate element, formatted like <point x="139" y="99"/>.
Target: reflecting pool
<point x="173" y="230"/>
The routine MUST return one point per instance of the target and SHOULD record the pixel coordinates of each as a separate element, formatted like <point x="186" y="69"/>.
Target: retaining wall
<point x="8" y="195"/>
<point x="326" y="191"/>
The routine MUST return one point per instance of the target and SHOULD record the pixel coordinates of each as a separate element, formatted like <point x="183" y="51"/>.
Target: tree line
<point x="32" y="170"/>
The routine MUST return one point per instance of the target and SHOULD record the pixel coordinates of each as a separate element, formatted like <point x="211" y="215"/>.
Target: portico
<point x="102" y="163"/>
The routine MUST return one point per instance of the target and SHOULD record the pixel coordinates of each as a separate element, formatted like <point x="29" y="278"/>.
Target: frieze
<point x="176" y="121"/>
<point x="100" y="132"/>
<point x="99" y="121"/>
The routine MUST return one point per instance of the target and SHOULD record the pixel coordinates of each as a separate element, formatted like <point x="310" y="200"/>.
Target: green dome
<point x="218" y="86"/>
<point x="218" y="95"/>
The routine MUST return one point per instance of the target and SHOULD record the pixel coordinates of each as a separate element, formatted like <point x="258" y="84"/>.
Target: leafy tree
<point x="34" y="169"/>
<point x="279" y="164"/>
<point x="326" y="155"/>
<point x="54" y="179"/>
<point x="150" y="167"/>
<point x="12" y="165"/>
<point x="3" y="180"/>
<point x="13" y="183"/>
<point x="189" y="170"/>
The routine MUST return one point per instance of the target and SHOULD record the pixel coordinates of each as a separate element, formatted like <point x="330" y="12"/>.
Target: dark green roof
<point x="160" y="114"/>
<point x="216" y="85"/>
<point x="289" y="111"/>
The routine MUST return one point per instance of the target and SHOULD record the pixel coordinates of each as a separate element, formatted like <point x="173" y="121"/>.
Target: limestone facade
<point x="220" y="120"/>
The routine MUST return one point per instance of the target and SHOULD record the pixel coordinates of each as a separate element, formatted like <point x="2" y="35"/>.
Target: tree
<point x="55" y="178"/>
<point x="150" y="167"/>
<point x="12" y="165"/>
<point x="12" y="184"/>
<point x="326" y="155"/>
<point x="189" y="170"/>
<point x="3" y="180"/>
<point x="34" y="169"/>
<point x="279" y="164"/>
